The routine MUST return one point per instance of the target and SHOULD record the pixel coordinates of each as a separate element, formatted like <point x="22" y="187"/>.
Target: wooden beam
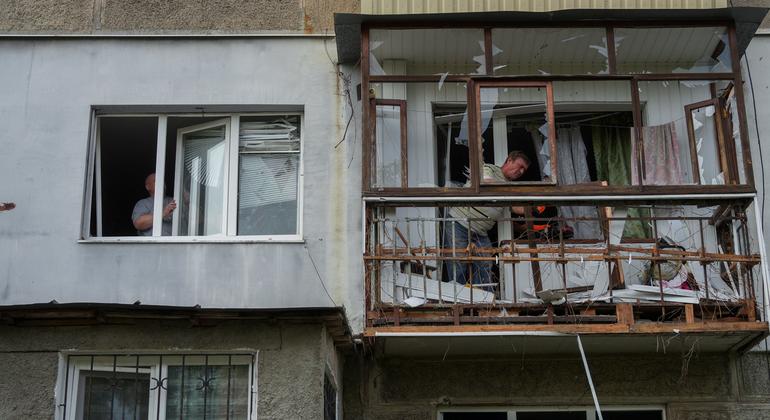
<point x="689" y="313"/>
<point x="625" y="313"/>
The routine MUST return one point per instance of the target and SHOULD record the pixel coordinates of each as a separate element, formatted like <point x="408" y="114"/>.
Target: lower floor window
<point x="575" y="413"/>
<point x="158" y="386"/>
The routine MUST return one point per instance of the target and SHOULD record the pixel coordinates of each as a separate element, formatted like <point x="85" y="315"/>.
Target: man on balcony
<point x="471" y="224"/>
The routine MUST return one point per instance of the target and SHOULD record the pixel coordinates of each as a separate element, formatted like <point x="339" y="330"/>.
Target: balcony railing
<point x="571" y="266"/>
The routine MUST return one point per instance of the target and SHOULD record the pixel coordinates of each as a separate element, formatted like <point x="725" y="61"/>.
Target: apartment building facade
<point x="317" y="153"/>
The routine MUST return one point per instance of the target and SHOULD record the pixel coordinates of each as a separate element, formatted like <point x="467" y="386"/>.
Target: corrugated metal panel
<point x="385" y="7"/>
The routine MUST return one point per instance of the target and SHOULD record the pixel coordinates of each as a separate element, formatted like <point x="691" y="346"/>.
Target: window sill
<point x="289" y="239"/>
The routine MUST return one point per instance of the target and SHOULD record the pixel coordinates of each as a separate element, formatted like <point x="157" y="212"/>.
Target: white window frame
<point x="511" y="411"/>
<point x="66" y="394"/>
<point x="230" y="211"/>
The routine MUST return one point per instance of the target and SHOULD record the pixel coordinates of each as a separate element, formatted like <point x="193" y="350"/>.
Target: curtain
<point x="661" y="156"/>
<point x="612" y="152"/>
<point x="573" y="169"/>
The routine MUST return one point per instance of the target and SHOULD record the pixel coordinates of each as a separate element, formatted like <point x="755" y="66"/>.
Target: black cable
<point x="759" y="140"/>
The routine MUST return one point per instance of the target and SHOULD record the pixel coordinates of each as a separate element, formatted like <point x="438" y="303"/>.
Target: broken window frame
<point x="727" y="164"/>
<point x="92" y="193"/>
<point x="476" y="188"/>
<point x="505" y="83"/>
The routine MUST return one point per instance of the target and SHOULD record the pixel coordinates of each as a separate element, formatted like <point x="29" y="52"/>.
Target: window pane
<point x="330" y="399"/>
<point x="514" y="119"/>
<point x="673" y="50"/>
<point x="521" y="51"/>
<point x="124" y="394"/>
<point x="632" y="415"/>
<point x="220" y="392"/>
<point x="683" y="139"/>
<point x="436" y="135"/>
<point x="426" y="51"/>
<point x="387" y="172"/>
<point x="203" y="182"/>
<point x="268" y="175"/>
<point x="476" y="416"/>
<point x="127" y="155"/>
<point x="551" y="415"/>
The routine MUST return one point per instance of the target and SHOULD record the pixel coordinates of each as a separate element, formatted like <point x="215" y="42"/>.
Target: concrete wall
<point x="290" y="367"/>
<point x="423" y="6"/>
<point x="707" y="387"/>
<point x="158" y="16"/>
<point x="754" y="3"/>
<point x="46" y="90"/>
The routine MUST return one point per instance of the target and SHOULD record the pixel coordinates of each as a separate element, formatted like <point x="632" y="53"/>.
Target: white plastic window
<point x="216" y="177"/>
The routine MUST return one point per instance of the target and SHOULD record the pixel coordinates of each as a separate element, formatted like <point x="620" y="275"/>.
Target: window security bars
<point x="158" y="386"/>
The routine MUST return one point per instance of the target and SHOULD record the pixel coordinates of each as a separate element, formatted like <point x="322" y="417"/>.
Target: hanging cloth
<point x="661" y="156"/>
<point x="573" y="169"/>
<point x="612" y="154"/>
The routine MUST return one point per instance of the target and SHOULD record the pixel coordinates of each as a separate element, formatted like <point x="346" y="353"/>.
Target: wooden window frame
<point x="556" y="190"/>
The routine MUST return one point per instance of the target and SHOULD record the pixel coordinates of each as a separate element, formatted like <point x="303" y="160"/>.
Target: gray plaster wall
<point x="705" y="386"/>
<point x="755" y="66"/>
<point x="290" y="366"/>
<point x="47" y="88"/>
<point x="174" y="16"/>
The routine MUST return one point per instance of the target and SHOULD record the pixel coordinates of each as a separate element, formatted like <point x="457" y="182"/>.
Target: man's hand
<point x="170" y="207"/>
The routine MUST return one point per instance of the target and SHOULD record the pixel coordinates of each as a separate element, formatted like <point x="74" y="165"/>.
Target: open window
<point x="516" y="118"/>
<point x="686" y="136"/>
<point x="228" y="175"/>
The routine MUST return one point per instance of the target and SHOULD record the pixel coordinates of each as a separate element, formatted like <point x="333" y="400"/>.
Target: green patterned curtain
<point x="612" y="152"/>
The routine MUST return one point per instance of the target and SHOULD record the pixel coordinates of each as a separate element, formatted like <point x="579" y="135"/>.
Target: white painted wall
<point x="46" y="90"/>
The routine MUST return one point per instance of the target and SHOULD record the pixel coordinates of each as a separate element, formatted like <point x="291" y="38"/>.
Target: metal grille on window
<point x="330" y="399"/>
<point x="158" y="386"/>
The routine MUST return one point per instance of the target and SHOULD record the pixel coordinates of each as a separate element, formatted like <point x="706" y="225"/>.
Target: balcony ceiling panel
<point x="747" y="20"/>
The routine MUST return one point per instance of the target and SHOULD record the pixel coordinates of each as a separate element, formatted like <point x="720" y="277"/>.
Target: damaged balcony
<point x="559" y="176"/>
<point x="601" y="271"/>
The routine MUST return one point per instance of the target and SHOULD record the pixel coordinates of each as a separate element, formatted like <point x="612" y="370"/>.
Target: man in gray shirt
<point x="142" y="214"/>
<point x="460" y="232"/>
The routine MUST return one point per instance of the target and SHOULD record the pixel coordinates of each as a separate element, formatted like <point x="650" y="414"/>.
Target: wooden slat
<point x="625" y="313"/>
<point x="689" y="313"/>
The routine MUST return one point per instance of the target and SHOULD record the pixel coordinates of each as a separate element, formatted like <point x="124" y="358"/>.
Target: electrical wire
<point x="320" y="279"/>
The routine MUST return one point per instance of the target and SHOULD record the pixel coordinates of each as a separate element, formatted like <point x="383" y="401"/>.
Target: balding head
<point x="149" y="184"/>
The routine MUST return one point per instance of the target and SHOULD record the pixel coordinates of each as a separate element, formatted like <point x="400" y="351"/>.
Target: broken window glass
<point x="543" y="51"/>
<point x="684" y="140"/>
<point x="426" y="51"/>
<point x="421" y="135"/>
<point x="672" y="50"/>
<point x="515" y="135"/>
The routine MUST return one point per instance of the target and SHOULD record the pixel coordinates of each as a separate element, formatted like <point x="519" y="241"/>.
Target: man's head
<point x="149" y="184"/>
<point x="515" y="165"/>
